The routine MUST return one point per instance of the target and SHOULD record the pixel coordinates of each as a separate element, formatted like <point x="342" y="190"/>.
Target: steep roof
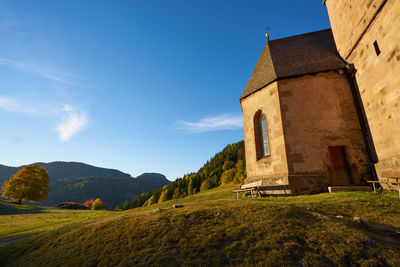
<point x="292" y="56"/>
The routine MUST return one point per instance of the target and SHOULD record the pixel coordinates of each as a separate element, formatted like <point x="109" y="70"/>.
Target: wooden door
<point x="339" y="173"/>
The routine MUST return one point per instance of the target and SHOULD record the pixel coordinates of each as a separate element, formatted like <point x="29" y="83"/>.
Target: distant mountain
<point x="78" y="182"/>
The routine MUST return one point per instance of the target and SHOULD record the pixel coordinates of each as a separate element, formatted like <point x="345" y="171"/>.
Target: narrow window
<point x="261" y="135"/>
<point x="377" y="50"/>
<point x="264" y="136"/>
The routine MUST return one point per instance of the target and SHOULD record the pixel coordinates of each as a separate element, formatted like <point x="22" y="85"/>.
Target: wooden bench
<point x="252" y="187"/>
<point x="390" y="178"/>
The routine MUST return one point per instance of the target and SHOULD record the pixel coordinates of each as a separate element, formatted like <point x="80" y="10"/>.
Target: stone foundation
<point x="308" y="183"/>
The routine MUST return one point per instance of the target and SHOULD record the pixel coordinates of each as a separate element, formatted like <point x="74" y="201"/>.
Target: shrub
<point x="88" y="203"/>
<point x="98" y="205"/>
<point x="72" y="206"/>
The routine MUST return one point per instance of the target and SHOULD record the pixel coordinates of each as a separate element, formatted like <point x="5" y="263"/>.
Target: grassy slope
<point x="215" y="229"/>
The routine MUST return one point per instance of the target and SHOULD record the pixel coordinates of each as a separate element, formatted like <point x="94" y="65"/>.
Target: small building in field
<point x="301" y="118"/>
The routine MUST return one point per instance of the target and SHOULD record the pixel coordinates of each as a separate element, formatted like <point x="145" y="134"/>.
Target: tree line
<point x="226" y="167"/>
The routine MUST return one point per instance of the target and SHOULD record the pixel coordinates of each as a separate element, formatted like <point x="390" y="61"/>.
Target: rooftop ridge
<point x="296" y="55"/>
<point x="300" y="35"/>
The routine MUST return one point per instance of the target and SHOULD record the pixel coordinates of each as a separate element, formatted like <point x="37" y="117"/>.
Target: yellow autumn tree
<point x="205" y="186"/>
<point x="98" y="205"/>
<point x="176" y="194"/>
<point x="164" y="195"/>
<point x="31" y="183"/>
<point x="227" y="176"/>
<point x="152" y="200"/>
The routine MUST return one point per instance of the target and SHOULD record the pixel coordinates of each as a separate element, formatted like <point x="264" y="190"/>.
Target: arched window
<point x="261" y="135"/>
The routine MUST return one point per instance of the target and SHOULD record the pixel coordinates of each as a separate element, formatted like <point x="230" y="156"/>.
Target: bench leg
<point x="373" y="184"/>
<point x="237" y="195"/>
<point x="388" y="185"/>
<point x="251" y="193"/>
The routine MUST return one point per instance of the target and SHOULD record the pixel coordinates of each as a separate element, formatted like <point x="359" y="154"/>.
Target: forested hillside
<point x="226" y="167"/>
<point x="78" y="182"/>
<point x="61" y="169"/>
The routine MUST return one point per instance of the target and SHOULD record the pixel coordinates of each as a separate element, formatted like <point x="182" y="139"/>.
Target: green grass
<point x="382" y="208"/>
<point x="215" y="229"/>
<point x="20" y="220"/>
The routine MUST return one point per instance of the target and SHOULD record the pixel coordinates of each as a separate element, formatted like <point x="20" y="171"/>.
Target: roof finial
<point x="267" y="34"/>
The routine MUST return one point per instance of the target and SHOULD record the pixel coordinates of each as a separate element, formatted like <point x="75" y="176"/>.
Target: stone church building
<point x="323" y="108"/>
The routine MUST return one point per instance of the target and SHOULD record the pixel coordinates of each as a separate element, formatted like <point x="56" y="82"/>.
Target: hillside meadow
<point x="213" y="228"/>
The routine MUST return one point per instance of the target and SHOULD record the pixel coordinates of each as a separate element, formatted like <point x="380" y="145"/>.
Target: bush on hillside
<point x="88" y="203"/>
<point x="72" y="206"/>
<point x="98" y="205"/>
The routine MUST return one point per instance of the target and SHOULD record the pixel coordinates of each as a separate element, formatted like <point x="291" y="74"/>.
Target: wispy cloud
<point x="71" y="120"/>
<point x="44" y="71"/>
<point x="16" y="105"/>
<point x="213" y="123"/>
<point x="71" y="124"/>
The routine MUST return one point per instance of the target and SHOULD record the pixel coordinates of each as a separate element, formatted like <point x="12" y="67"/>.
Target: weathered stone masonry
<point x="367" y="34"/>
<point x="300" y="85"/>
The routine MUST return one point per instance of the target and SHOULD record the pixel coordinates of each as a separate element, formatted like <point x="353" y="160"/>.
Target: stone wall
<point x="305" y="116"/>
<point x="318" y="111"/>
<point x="273" y="169"/>
<point x="349" y="19"/>
<point x="378" y="76"/>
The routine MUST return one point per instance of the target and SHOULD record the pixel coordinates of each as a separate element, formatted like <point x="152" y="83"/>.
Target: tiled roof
<point x="293" y="56"/>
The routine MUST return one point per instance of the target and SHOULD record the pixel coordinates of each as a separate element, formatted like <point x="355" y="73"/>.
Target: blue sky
<point x="139" y="86"/>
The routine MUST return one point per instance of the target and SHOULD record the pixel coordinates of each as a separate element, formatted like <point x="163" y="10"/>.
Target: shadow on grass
<point x="6" y="241"/>
<point x="8" y="208"/>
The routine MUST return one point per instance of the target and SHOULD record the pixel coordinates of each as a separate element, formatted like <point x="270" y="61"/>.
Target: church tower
<point x="367" y="35"/>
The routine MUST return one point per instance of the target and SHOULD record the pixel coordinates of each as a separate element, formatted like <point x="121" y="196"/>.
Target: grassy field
<point x="21" y="220"/>
<point x="215" y="229"/>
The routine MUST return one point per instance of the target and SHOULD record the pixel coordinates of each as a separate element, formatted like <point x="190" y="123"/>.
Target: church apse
<point x="300" y="86"/>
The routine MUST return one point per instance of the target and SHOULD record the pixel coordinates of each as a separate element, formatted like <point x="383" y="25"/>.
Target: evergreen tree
<point x="190" y="188"/>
